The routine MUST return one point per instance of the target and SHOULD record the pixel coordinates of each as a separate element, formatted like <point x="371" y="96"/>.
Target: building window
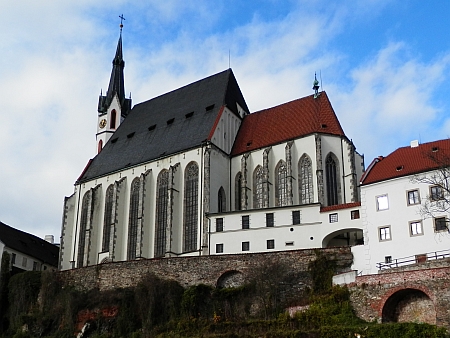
<point x="222" y="202"/>
<point x="100" y="146"/>
<point x="112" y="124"/>
<point x="269" y="220"/>
<point x="35" y="266"/>
<point x="382" y="202"/>
<point x="219" y="224"/>
<point x="440" y="224"/>
<point x="436" y="193"/>
<point x="246" y="222"/>
<point x="191" y="207"/>
<point x="305" y="180"/>
<point x="245" y="246"/>
<point x="333" y="218"/>
<point x="270" y="244"/>
<point x="162" y="195"/>
<point x="415" y="228"/>
<point x="219" y="248"/>
<point x="413" y="197"/>
<point x="133" y="218"/>
<point x="290" y="243"/>
<point x="354" y="214"/>
<point x="384" y="233"/>
<point x="238" y="191"/>
<point x="13" y="258"/>
<point x="388" y="259"/>
<point x="332" y="175"/>
<point x="85" y="207"/>
<point x="296" y="217"/>
<point x="108" y="218"/>
<point x="258" y="187"/>
<point x="24" y="262"/>
<point x="281" y="184"/>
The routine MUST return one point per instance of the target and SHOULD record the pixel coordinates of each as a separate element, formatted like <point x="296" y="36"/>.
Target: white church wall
<point x="97" y="225"/>
<point x="148" y="236"/>
<point x="226" y="130"/>
<point x="219" y="177"/>
<point x="68" y="232"/>
<point x="397" y="217"/>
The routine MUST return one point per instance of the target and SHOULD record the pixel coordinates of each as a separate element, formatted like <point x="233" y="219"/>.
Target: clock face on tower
<point x="102" y="123"/>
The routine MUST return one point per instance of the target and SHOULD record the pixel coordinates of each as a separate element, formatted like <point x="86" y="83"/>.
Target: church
<point x="194" y="172"/>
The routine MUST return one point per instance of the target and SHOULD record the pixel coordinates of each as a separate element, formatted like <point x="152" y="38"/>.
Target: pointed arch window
<point x="85" y="206"/>
<point x="305" y="180"/>
<point x="281" y="184"/>
<point x="133" y="218"/>
<point x="332" y="176"/>
<point x="238" y="191"/>
<point x="162" y="196"/>
<point x="258" y="187"/>
<point x="222" y="200"/>
<point x="190" y="207"/>
<point x="108" y="218"/>
<point x="112" y="123"/>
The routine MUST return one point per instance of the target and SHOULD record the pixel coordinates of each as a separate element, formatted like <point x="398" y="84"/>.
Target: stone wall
<point x="416" y="295"/>
<point x="197" y="270"/>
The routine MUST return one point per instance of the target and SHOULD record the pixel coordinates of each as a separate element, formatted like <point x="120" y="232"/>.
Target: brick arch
<point x="390" y="301"/>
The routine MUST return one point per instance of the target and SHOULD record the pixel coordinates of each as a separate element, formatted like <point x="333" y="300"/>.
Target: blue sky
<point x="384" y="64"/>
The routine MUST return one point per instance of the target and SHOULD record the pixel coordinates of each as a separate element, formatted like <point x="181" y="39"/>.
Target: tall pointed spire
<point x="116" y="82"/>
<point x="316" y="86"/>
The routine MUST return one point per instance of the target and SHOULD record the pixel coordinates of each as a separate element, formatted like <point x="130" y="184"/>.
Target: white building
<point x="171" y="169"/>
<point x="28" y="252"/>
<point x="393" y="193"/>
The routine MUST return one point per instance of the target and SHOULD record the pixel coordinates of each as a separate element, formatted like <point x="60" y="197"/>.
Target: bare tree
<point x="436" y="203"/>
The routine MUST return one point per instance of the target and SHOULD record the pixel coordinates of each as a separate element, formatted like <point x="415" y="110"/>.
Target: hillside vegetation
<point x="37" y="304"/>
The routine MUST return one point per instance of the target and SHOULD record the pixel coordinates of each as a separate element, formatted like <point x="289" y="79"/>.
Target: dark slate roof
<point x="407" y="161"/>
<point x="29" y="244"/>
<point x="164" y="125"/>
<point x="287" y="121"/>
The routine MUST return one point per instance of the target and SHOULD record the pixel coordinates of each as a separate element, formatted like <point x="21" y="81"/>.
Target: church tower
<point x="112" y="107"/>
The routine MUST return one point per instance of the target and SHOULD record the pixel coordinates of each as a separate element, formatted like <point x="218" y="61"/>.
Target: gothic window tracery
<point x="133" y="218"/>
<point x="191" y="207"/>
<point x="305" y="180"/>
<point x="112" y="124"/>
<point x="162" y="195"/>
<point x="258" y="187"/>
<point x="281" y="184"/>
<point x="83" y="227"/>
<point x="331" y="168"/>
<point x="108" y="218"/>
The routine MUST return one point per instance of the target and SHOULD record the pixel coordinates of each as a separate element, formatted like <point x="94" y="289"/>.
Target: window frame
<point x="377" y="198"/>
<point x="294" y="217"/>
<point x="245" y="246"/>
<point x="245" y="220"/>
<point x="380" y="233"/>
<point x="270" y="220"/>
<point x="270" y="244"/>
<point x="333" y="218"/>
<point x="219" y="247"/>
<point x="219" y="224"/>
<point x="434" y="195"/>
<point x="435" y="221"/>
<point x="410" y="224"/>
<point x="353" y="214"/>
<point x="408" y="199"/>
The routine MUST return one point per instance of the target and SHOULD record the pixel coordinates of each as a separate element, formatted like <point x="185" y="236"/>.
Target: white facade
<point x="396" y="232"/>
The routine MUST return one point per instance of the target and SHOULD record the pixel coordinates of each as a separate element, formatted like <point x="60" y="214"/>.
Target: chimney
<point x="414" y="144"/>
<point x="50" y="239"/>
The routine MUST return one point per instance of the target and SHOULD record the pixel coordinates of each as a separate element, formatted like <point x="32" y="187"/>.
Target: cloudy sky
<point x="384" y="64"/>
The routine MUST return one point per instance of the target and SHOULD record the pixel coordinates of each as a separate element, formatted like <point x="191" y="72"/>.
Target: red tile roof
<point x="287" y="121"/>
<point x="340" y="206"/>
<point x="408" y="161"/>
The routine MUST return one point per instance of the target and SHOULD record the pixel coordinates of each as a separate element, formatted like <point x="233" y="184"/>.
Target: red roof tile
<point x="340" y="206"/>
<point x="408" y="161"/>
<point x="287" y="121"/>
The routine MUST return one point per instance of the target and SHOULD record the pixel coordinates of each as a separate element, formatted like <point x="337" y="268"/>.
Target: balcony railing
<point x="399" y="262"/>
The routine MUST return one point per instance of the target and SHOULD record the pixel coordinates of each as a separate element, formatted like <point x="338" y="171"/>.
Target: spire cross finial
<point x="121" y="21"/>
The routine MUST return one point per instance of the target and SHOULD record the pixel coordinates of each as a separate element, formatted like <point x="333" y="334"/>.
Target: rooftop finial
<point x="121" y="22"/>
<point x="316" y="86"/>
